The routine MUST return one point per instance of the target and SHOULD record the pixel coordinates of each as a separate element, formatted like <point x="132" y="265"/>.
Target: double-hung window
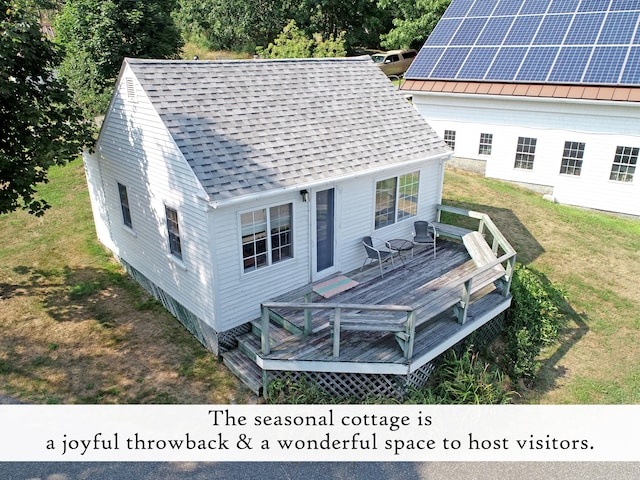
<point x="624" y="164"/>
<point x="525" y="153"/>
<point x="173" y="230"/>
<point x="572" y="158"/>
<point x="396" y="199"/>
<point x="267" y="236"/>
<point x="124" y="205"/>
<point x="450" y="138"/>
<point x="486" y="143"/>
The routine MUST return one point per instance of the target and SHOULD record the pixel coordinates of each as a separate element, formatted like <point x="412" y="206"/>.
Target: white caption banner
<point x="318" y="433"/>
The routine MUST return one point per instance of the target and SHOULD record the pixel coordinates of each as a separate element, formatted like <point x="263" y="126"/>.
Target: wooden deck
<point x="429" y="305"/>
<point x="379" y="352"/>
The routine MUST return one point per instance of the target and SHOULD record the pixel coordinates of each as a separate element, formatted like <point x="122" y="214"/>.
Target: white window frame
<point x="270" y="248"/>
<point x="395" y="203"/>
<point x="626" y="160"/>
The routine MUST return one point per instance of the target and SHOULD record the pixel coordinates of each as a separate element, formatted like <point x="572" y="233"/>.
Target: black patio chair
<point x="423" y="236"/>
<point x="376" y="254"/>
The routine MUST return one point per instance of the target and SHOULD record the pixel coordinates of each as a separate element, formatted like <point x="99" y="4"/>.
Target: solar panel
<point x="631" y="74"/>
<point x="560" y="41"/>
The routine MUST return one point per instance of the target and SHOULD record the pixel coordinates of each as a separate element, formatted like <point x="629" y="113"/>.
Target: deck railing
<point x="454" y="289"/>
<point x="337" y="309"/>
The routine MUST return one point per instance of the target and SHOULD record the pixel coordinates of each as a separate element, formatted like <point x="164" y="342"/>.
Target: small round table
<point x="400" y="245"/>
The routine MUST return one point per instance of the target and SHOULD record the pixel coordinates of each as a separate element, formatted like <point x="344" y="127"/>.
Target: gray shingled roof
<point x="256" y="125"/>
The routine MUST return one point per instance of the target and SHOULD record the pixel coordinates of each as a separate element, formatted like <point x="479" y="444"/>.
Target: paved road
<point x="318" y="471"/>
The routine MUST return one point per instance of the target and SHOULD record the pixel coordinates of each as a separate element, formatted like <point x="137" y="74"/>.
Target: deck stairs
<point x="242" y="360"/>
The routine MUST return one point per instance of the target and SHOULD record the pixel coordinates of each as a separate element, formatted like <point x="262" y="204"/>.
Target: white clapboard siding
<point x="239" y="294"/>
<point x="602" y="126"/>
<point x="145" y="159"/>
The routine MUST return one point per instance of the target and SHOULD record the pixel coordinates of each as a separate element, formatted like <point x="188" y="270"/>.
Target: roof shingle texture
<point x="256" y="125"/>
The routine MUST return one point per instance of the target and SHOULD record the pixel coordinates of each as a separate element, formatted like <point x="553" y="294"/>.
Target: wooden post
<point x="308" y="325"/>
<point x="336" y="332"/>
<point x="411" y="327"/>
<point x="462" y="307"/>
<point x="265" y="343"/>
<point x="511" y="264"/>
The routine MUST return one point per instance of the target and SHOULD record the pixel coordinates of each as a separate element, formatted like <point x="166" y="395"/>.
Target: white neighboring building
<point x="516" y="94"/>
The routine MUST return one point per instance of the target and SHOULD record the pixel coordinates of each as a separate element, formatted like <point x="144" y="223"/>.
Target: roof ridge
<point x="166" y="61"/>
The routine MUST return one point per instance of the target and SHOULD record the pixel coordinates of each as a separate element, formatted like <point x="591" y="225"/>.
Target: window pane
<point x="174" y="232"/>
<point x="408" y="195"/>
<point x="280" y="223"/>
<point x="385" y="203"/>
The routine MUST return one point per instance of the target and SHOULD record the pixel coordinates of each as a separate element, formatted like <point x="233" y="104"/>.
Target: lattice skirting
<point x="360" y="385"/>
<point x="216" y="342"/>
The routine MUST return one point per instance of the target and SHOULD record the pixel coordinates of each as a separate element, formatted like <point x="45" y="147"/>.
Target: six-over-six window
<point x="572" y="156"/>
<point x="624" y="164"/>
<point x="266" y="236"/>
<point x="525" y="153"/>
<point x="396" y="199"/>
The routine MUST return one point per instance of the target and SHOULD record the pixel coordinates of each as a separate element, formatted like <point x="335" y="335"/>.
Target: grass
<point x="595" y="258"/>
<point x="75" y="329"/>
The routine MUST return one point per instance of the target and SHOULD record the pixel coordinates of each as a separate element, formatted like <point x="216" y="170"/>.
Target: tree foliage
<point x="244" y="25"/>
<point x="99" y="34"/>
<point x="40" y="125"/>
<point x="237" y="25"/>
<point x="413" y="21"/>
<point x="293" y="43"/>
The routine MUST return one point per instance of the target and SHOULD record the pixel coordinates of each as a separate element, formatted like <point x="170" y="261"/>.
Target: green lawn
<point x="595" y="258"/>
<point x="75" y="329"/>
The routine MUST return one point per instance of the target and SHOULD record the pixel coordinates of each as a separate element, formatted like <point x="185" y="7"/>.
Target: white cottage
<point x="540" y="92"/>
<point x="222" y="184"/>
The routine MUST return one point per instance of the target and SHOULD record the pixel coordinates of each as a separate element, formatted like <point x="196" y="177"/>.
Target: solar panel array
<point x="557" y="41"/>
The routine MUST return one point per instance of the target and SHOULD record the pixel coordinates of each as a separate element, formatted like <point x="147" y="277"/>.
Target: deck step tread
<point x="245" y="369"/>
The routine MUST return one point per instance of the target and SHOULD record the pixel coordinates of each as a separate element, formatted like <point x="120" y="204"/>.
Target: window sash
<point x="173" y="230"/>
<point x="385" y="202"/>
<point x="124" y="205"/>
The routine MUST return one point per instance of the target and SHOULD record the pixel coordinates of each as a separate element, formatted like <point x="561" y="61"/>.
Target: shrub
<point x="532" y="322"/>
<point x="464" y="379"/>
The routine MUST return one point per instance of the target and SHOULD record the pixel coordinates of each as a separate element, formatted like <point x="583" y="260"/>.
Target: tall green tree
<point x="39" y="124"/>
<point x="413" y="23"/>
<point x="238" y="25"/>
<point x="362" y="21"/>
<point x="99" y="34"/>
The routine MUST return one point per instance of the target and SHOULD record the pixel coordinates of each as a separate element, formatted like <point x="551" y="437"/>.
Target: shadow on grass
<point x="508" y="223"/>
<point x="92" y="335"/>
